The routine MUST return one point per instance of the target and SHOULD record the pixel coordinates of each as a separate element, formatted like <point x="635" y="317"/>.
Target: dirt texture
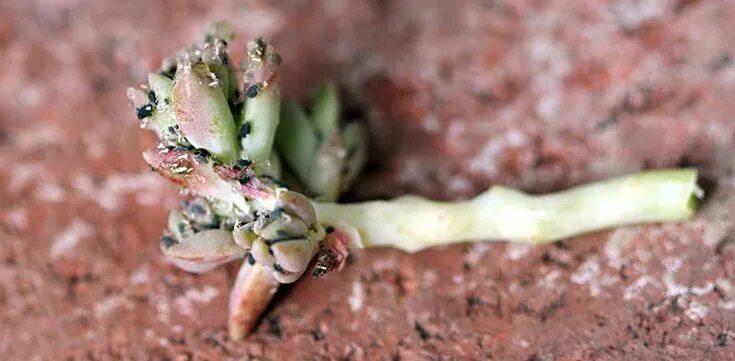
<point x="458" y="95"/>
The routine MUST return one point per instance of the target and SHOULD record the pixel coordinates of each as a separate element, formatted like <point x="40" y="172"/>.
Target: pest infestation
<point x="261" y="178"/>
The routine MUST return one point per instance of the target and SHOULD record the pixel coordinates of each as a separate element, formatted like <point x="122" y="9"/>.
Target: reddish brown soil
<point x="458" y="95"/>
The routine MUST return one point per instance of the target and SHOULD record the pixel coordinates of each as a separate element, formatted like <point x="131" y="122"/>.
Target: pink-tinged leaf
<point x="298" y="205"/>
<point x="137" y="97"/>
<point x="282" y="227"/>
<point x="294" y="256"/>
<point x="255" y="189"/>
<point x="286" y="277"/>
<point x="243" y="235"/>
<point x="197" y="267"/>
<point x="181" y="167"/>
<point x="253" y="290"/>
<point x="202" y="112"/>
<point x="202" y="251"/>
<point x="261" y="253"/>
<point x="261" y="64"/>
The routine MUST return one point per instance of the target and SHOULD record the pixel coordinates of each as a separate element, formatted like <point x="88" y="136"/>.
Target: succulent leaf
<point x="183" y="168"/>
<point x="325" y="110"/>
<point x="202" y="112"/>
<point x="296" y="139"/>
<point x="325" y="174"/>
<point x="353" y="141"/>
<point x="204" y="250"/>
<point x="294" y="255"/>
<point x="161" y="92"/>
<point x="260" y="116"/>
<point x="253" y="289"/>
<point x="178" y="225"/>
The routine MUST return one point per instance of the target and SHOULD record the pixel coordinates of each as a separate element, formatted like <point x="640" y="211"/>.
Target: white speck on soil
<point x="586" y="272"/>
<point x="385" y="264"/>
<point x="549" y="281"/>
<point x="689" y="335"/>
<point x="701" y="291"/>
<point x="696" y="311"/>
<point x="70" y="237"/>
<point x="357" y="297"/>
<point x="50" y="192"/>
<point x="109" y="195"/>
<point x="31" y="95"/>
<point x="477" y="253"/>
<point x="517" y="251"/>
<point x="617" y="242"/>
<point x="486" y="160"/>
<point x="140" y="276"/>
<point x="185" y="303"/>
<point x="18" y="217"/>
<point x="590" y="273"/>
<point x="634" y="290"/>
<point x="411" y="169"/>
<point x="22" y="175"/>
<point x="109" y="304"/>
<point x="725" y="287"/>
<point x="164" y="342"/>
<point x="632" y="14"/>
<point x="37" y="137"/>
<point x="459" y="184"/>
<point x="548" y="105"/>
<point x="205" y="295"/>
<point x="431" y="124"/>
<point x="429" y="278"/>
<point x="672" y="265"/>
<point x="163" y="310"/>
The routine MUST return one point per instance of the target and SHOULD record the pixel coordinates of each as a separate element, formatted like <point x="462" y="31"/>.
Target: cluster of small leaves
<point x="243" y="160"/>
<point x="241" y="157"/>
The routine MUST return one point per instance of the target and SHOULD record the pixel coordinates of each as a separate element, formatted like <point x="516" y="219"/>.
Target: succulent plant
<point x="260" y="179"/>
<point x="217" y="141"/>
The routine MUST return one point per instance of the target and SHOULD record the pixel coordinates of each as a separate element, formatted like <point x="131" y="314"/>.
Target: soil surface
<point x="458" y="95"/>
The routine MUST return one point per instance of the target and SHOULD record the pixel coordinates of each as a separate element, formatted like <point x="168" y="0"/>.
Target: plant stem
<point x="251" y="293"/>
<point x="413" y="223"/>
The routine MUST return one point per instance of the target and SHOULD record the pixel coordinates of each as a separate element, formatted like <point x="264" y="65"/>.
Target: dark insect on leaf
<point x="144" y="111"/>
<point x="201" y="155"/>
<point x="242" y="163"/>
<point x="167" y="241"/>
<point x="253" y="91"/>
<point x="245" y="129"/>
<point x="152" y="97"/>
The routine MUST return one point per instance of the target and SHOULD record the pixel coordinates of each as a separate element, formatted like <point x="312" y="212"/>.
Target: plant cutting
<point x="260" y="181"/>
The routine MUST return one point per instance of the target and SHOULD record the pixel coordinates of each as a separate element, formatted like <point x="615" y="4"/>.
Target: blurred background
<point x="539" y="95"/>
